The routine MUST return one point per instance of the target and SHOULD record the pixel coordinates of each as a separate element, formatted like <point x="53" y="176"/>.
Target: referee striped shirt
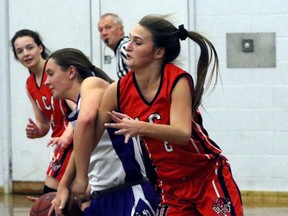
<point x="121" y="55"/>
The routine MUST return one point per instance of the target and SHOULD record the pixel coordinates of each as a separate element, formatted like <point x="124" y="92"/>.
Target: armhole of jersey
<point x="118" y="95"/>
<point x="190" y="79"/>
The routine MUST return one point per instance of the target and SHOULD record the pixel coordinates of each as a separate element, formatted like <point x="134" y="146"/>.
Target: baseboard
<point x="267" y="198"/>
<point x="27" y="187"/>
<point x="249" y="197"/>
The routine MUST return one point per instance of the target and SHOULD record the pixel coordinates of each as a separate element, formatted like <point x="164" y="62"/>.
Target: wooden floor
<point x="18" y="205"/>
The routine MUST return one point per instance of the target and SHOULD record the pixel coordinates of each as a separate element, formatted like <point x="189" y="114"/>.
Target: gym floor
<point x="18" y="205"/>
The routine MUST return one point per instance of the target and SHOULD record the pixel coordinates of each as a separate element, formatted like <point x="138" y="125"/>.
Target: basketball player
<point x="29" y="50"/>
<point x="115" y="170"/>
<point x="159" y="101"/>
<point x="111" y="32"/>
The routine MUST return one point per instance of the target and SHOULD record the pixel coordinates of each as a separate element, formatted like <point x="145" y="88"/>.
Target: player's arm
<point x="65" y="139"/>
<point x="91" y="93"/>
<point x="63" y="193"/>
<point x="108" y="104"/>
<point x="179" y="130"/>
<point x="41" y="126"/>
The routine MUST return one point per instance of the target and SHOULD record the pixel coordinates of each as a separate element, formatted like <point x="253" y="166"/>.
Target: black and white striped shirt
<point x="120" y="53"/>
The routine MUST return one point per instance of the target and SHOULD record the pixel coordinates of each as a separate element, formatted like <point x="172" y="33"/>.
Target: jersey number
<point x="167" y="147"/>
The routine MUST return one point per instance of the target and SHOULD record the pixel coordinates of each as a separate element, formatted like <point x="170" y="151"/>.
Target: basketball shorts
<point x="58" y="162"/>
<point x="136" y="200"/>
<point x="218" y="195"/>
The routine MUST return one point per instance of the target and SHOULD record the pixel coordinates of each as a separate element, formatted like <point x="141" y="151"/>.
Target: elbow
<point x="87" y="120"/>
<point x="186" y="140"/>
<point x="183" y="139"/>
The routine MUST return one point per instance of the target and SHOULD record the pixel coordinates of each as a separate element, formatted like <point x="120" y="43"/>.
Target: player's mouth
<point x="128" y="56"/>
<point x="28" y="61"/>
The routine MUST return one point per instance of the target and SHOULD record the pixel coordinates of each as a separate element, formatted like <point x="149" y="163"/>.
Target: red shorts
<point x="212" y="195"/>
<point x="59" y="161"/>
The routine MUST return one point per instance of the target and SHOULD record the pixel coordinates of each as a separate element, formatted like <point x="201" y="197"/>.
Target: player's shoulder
<point x="94" y="82"/>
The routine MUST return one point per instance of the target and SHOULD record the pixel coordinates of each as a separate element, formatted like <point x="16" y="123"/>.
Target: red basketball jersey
<point x="55" y="110"/>
<point x="173" y="162"/>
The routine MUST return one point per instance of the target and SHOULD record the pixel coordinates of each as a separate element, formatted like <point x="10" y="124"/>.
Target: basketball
<point x="42" y="205"/>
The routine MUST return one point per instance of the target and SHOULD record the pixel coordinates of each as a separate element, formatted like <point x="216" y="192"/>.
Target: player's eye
<point x="30" y="47"/>
<point x="19" y="51"/>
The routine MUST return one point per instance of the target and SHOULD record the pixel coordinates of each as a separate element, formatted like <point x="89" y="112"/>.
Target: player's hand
<point x="78" y="190"/>
<point x="32" y="199"/>
<point x="126" y="126"/>
<point x="59" y="202"/>
<point x="32" y="130"/>
<point x="63" y="142"/>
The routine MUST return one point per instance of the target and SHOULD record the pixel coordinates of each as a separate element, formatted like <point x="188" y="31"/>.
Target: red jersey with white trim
<point x="56" y="112"/>
<point x="172" y="161"/>
<point x="54" y="109"/>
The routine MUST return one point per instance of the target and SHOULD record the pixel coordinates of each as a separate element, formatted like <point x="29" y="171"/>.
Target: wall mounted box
<point x="251" y="50"/>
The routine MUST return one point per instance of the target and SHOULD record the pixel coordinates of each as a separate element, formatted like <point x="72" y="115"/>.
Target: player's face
<point x="27" y="51"/>
<point x="57" y="79"/>
<point x="110" y="32"/>
<point x="140" y="50"/>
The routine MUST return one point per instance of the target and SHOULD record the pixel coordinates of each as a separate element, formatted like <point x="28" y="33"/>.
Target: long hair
<point x="166" y="35"/>
<point x="70" y="56"/>
<point x="36" y="37"/>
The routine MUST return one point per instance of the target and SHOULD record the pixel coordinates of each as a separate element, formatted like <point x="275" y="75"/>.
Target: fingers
<point x="50" y="143"/>
<point x="53" y="141"/>
<point x="31" y="129"/>
<point x="78" y="199"/>
<point x="31" y="121"/>
<point x="127" y="137"/>
<point x="58" y="210"/>
<point x="114" y="117"/>
<point x="32" y="199"/>
<point x="119" y="115"/>
<point x="51" y="210"/>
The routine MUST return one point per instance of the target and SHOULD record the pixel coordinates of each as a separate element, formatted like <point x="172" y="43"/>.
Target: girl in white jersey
<point x="116" y="170"/>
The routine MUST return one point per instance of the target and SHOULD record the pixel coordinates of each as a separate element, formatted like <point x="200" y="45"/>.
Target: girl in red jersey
<point x="159" y="101"/>
<point x="29" y="50"/>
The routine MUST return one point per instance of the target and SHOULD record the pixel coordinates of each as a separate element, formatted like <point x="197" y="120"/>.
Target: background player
<point x="30" y="51"/>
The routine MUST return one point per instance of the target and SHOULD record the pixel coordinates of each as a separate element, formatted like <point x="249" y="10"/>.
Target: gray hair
<point x="117" y="20"/>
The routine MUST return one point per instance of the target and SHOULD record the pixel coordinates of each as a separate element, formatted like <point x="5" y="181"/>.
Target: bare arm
<point x="62" y="195"/>
<point x="179" y="130"/>
<point x="65" y="139"/>
<point x="108" y="104"/>
<point x="91" y="95"/>
<point x="39" y="128"/>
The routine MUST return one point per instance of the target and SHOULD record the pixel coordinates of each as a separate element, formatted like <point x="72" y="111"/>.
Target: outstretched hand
<point x="125" y="125"/>
<point x="63" y="142"/>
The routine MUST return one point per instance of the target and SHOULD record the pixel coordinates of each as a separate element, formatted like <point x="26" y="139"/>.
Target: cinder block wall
<point x="246" y="115"/>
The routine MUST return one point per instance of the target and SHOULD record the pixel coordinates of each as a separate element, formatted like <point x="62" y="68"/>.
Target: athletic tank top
<point x="55" y="110"/>
<point x="112" y="162"/>
<point x="172" y="161"/>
